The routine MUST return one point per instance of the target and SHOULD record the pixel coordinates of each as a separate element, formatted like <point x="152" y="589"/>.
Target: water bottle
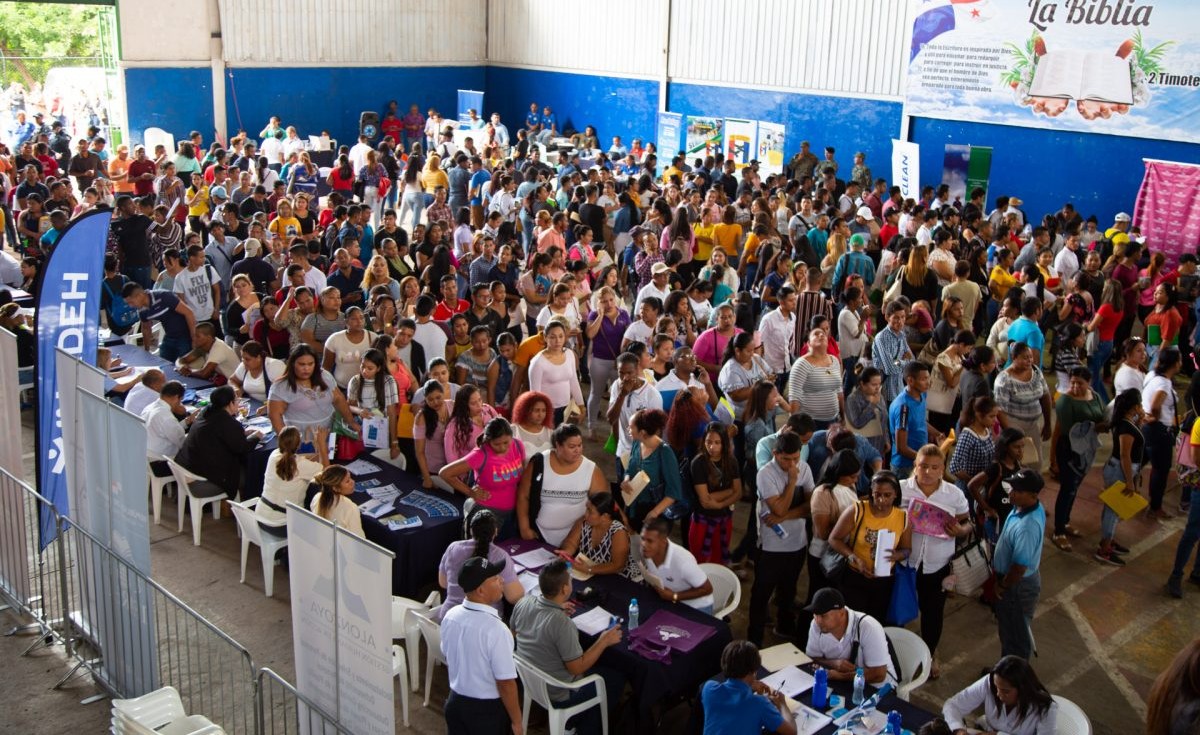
<point x="894" y="727"/>
<point x="779" y="530"/>
<point x="820" y="691"/>
<point x="860" y="684"/>
<point x="633" y="615"/>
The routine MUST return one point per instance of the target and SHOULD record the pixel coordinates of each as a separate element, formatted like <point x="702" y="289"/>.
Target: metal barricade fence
<point x="283" y="711"/>
<point x="154" y="639"/>
<point x="31" y="578"/>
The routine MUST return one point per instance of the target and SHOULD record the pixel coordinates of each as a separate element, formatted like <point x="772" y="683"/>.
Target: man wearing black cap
<point x="843" y="640"/>
<point x="479" y="657"/>
<point x="1017" y="561"/>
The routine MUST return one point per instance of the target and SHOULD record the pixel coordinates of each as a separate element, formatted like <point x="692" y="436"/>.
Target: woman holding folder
<point x="869" y="532"/>
<point x="1125" y="466"/>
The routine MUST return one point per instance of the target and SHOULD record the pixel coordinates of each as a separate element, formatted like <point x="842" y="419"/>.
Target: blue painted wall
<point x="613" y="106"/>
<point x="1100" y="174"/>
<point x="331" y="98"/>
<point x="178" y="100"/>
<point x="849" y="125"/>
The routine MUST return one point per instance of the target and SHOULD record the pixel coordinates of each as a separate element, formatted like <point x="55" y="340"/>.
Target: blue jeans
<point x="140" y="275"/>
<point x="849" y="379"/>
<point x="1191" y="534"/>
<point x="414" y="202"/>
<point x="1096" y="362"/>
<point x="1014" y="614"/>
<point x="173" y="348"/>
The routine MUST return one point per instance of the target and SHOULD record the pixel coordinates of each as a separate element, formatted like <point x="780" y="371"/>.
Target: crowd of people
<point x="853" y="364"/>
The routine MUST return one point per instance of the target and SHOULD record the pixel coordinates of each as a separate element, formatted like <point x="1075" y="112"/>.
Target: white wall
<point x="623" y="37"/>
<point x="172" y="31"/>
<point x="353" y="32"/>
<point x="850" y="47"/>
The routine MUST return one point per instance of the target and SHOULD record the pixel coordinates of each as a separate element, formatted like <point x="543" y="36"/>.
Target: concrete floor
<point x="1102" y="633"/>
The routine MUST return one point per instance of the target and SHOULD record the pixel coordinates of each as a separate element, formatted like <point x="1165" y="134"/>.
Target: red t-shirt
<point x="138" y="168"/>
<point x="443" y="312"/>
<point x="886" y="233"/>
<point x="1110" y="319"/>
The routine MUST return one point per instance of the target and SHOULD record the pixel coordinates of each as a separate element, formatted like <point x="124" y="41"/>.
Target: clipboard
<point x="1125" y="506"/>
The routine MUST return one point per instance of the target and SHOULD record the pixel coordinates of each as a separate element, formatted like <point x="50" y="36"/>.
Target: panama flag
<point x="935" y="17"/>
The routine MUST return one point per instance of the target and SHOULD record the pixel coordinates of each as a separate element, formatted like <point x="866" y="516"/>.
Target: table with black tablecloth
<point x="138" y="357"/>
<point x="652" y="682"/>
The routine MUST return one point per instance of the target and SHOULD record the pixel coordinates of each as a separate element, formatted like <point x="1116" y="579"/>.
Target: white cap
<point x="253" y="247"/>
<point x="659" y="267"/>
<point x="1122" y="217"/>
<point x="865" y="213"/>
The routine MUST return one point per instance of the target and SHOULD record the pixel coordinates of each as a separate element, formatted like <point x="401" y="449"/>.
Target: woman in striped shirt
<point x="815" y="382"/>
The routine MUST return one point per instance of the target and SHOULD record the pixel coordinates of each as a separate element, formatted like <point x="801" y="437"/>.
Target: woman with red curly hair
<point x="533" y="418"/>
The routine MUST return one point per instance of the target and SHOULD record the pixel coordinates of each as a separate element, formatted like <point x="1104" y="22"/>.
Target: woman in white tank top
<point x="566" y="479"/>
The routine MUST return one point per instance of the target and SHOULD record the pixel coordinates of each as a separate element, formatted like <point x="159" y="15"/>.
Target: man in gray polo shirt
<point x="548" y="639"/>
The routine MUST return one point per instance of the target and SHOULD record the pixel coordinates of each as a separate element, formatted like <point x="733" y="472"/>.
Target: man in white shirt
<point x="10" y="270"/>
<point x="272" y="147"/>
<point x="358" y="153"/>
<point x="145" y="392"/>
<point x="502" y="138"/>
<point x="777" y="333"/>
<point x="1067" y="262"/>
<point x="675" y="567"/>
<point x="428" y="334"/>
<point x="659" y="285"/>
<point x="843" y="640"/>
<point x="783" y="488"/>
<point x="629" y="393"/>
<point x="478" y="649"/>
<point x="209" y="356"/>
<point x="164" y="430"/>
<point x="313" y="277"/>
<point x="199" y="287"/>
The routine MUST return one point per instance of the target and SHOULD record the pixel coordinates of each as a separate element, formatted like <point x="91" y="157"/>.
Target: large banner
<point x="1168" y="207"/>
<point x="341" y="622"/>
<point x="770" y="148"/>
<point x="668" y="135"/>
<point x="470" y="99"/>
<point x="114" y="449"/>
<point x="906" y="168"/>
<point x="741" y="141"/>
<point x="703" y="136"/>
<point x="1122" y="67"/>
<point x="68" y="317"/>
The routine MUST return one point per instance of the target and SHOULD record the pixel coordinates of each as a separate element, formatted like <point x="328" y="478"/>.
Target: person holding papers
<point x="741" y="704"/>
<point x="843" y="640"/>
<point x="672" y="570"/>
<point x="548" y="639"/>
<point x="869" y="532"/>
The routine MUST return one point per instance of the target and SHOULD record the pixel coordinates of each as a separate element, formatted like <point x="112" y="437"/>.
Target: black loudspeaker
<point x="368" y="124"/>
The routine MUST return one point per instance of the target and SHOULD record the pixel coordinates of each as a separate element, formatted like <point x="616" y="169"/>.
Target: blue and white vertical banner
<point x="770" y="148"/>
<point x="470" y="99"/>
<point x="668" y="135"/>
<point x="121" y="615"/>
<point x="906" y="168"/>
<point x="68" y="317"/>
<point x="341" y="623"/>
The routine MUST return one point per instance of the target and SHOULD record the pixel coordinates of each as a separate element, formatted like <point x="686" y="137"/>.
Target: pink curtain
<point x="1168" y="208"/>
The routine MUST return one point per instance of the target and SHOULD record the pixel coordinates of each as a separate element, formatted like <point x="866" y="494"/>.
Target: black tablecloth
<point x="138" y="357"/>
<point x="652" y="682"/>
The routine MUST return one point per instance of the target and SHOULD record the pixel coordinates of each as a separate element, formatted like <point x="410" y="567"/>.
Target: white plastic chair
<point x="158" y="486"/>
<point x="537" y="684"/>
<point x="913" y="656"/>
<point x="156" y="136"/>
<point x="1071" y="719"/>
<point x="404" y="626"/>
<point x="183" y="480"/>
<point x="190" y="725"/>
<point x="431" y="632"/>
<point x="268" y="544"/>
<point x="158" y="713"/>
<point x="727" y="589"/>
<point x="400" y="671"/>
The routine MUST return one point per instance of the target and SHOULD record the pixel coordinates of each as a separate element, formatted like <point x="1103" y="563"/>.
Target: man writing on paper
<point x="548" y="639"/>
<point x="479" y="657"/>
<point x="1017" y="561"/>
<point x="842" y="640"/>
<point x="672" y="570"/>
<point x="743" y="705"/>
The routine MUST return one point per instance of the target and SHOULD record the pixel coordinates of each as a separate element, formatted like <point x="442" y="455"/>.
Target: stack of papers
<point x="529" y="581"/>
<point x="362" y="467"/>
<point x="808" y="720"/>
<point x="431" y="506"/>
<point x="790" y="681"/>
<point x="403" y="523"/>
<point x="387" y="493"/>
<point x="376" y="508"/>
<point x="535" y="559"/>
<point x="594" y="621"/>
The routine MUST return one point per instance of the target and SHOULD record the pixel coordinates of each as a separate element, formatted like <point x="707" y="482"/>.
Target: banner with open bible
<point x="1122" y="67"/>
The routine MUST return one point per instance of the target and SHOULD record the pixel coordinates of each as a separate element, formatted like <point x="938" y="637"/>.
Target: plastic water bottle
<point x="820" y="691"/>
<point x="633" y="614"/>
<point x="860" y="685"/>
<point x="894" y="726"/>
<point x="779" y="530"/>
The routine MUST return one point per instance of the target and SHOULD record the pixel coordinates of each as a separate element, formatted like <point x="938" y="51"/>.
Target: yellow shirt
<point x="118" y="168"/>
<point x="672" y="171"/>
<point x="433" y="179"/>
<point x="727" y="237"/>
<point x="750" y="250"/>
<point x="704" y="249"/>
<point x="1002" y="280"/>
<point x="279" y="226"/>
<point x="868" y="532"/>
<point x="200" y="208"/>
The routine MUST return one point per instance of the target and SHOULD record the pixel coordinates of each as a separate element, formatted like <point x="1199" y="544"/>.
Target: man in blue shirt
<point x="1017" y="561"/>
<point x="1026" y="330"/>
<point x="855" y="262"/>
<point x="177" y="320"/>
<point x="533" y="121"/>
<point x="549" y="126"/>
<point x="743" y="705"/>
<point x="475" y="189"/>
<point x="908" y="419"/>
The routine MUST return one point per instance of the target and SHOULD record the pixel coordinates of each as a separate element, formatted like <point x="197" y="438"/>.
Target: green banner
<point x="979" y="168"/>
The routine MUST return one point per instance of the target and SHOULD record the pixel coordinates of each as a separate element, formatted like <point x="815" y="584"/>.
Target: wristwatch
<point x="675" y="597"/>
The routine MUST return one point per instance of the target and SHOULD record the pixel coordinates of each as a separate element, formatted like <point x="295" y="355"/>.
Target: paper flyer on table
<point x="790" y="680"/>
<point x="387" y="492"/>
<point x="376" y="508"/>
<point x="529" y="582"/>
<point x="781" y="656"/>
<point x="594" y="621"/>
<point x="535" y="559"/>
<point x="885" y="541"/>
<point x="362" y="467"/>
<point x="808" y="720"/>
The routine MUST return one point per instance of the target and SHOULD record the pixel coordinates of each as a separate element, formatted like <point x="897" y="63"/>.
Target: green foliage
<point x="47" y="32"/>
<point x="1149" y="60"/>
